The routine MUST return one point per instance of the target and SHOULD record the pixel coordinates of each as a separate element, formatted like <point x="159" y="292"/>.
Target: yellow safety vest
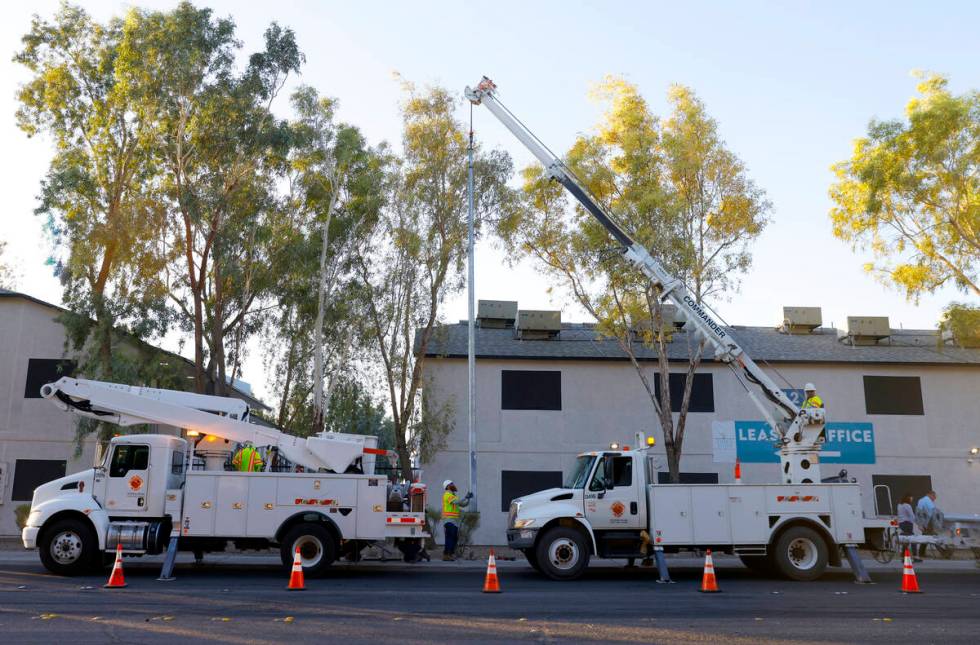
<point x="450" y="511"/>
<point x="248" y="460"/>
<point x="813" y="402"/>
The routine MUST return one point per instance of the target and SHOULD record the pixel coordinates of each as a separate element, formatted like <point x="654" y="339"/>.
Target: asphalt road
<point x="232" y="601"/>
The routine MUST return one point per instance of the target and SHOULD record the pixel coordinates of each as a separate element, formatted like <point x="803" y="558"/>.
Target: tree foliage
<point x="679" y="192"/>
<point x="910" y="193"/>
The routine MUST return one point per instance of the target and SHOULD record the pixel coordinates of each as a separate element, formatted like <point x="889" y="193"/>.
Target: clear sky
<point x="791" y="85"/>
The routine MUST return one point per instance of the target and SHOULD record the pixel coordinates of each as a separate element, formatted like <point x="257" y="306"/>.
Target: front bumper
<point x="29" y="536"/>
<point x="521" y="538"/>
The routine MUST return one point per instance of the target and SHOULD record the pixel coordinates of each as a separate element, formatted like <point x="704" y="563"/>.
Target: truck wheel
<point x="800" y="554"/>
<point x="317" y="548"/>
<point x="69" y="547"/>
<point x="561" y="553"/>
<point x="532" y="559"/>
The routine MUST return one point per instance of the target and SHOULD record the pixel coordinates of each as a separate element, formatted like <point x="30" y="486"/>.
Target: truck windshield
<point x="583" y="466"/>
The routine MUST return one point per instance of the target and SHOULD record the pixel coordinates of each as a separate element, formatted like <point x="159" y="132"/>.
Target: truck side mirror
<point x="607" y="467"/>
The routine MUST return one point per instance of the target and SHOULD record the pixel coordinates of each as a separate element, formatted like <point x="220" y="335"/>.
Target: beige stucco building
<point x="903" y="411"/>
<point x="37" y="441"/>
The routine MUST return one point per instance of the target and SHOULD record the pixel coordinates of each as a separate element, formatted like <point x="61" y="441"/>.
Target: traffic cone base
<point x="910" y="583"/>
<point x="296" y="582"/>
<point x="492" y="583"/>
<point x="116" y="579"/>
<point x="708" y="582"/>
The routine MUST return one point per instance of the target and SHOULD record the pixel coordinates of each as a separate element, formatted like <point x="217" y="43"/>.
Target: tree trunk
<point x="318" y="400"/>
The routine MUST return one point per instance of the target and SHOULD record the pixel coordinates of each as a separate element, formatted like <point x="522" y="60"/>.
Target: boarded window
<point x="890" y="489"/>
<point x="702" y="392"/>
<point x="893" y="395"/>
<point x="31" y="473"/>
<point x="530" y="390"/>
<point x="41" y="371"/>
<point x="515" y="483"/>
<point x="689" y="478"/>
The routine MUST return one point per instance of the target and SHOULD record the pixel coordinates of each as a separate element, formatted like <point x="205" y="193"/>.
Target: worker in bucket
<point x="248" y="459"/>
<point x="450" y="517"/>
<point x="810" y="398"/>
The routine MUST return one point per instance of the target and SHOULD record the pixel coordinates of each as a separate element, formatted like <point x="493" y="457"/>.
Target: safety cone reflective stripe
<point x="492" y="583"/>
<point x="116" y="578"/>
<point x="708" y="582"/>
<point x="296" y="582"/>
<point x="738" y="471"/>
<point x="909" y="582"/>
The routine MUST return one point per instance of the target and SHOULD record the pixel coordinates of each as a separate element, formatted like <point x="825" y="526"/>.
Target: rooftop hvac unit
<point x="538" y="325"/>
<point x="801" y="320"/>
<point x="642" y="327"/>
<point x="866" y="330"/>
<point x="497" y="314"/>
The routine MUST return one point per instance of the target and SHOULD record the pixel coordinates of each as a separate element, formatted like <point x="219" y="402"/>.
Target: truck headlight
<point x="33" y="519"/>
<point x="523" y="524"/>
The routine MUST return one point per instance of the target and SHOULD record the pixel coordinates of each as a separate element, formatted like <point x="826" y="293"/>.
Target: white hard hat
<point x="809" y="387"/>
<point x="447" y="483"/>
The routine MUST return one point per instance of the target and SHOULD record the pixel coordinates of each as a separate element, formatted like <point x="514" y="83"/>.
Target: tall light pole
<point x="471" y="328"/>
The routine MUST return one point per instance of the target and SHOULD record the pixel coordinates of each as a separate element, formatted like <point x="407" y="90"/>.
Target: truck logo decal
<point x="618" y="509"/>
<point x="703" y="315"/>
<point x="135" y="482"/>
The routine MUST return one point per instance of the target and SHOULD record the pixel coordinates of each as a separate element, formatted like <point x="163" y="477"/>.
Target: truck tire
<point x="317" y="548"/>
<point x="532" y="559"/>
<point x="800" y="554"/>
<point x="562" y="553"/>
<point x="69" y="547"/>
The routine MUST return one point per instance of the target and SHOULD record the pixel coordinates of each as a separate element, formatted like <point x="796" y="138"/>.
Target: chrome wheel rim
<point x="563" y="554"/>
<point x="66" y="547"/>
<point x="310" y="550"/>
<point x="802" y="553"/>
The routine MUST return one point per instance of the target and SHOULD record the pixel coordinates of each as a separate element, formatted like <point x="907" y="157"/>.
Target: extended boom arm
<point x="799" y="432"/>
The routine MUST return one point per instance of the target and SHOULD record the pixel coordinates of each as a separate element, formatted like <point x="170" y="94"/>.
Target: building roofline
<point x="250" y="398"/>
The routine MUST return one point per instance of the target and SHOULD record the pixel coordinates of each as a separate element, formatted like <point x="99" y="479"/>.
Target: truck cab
<point x="600" y="509"/>
<point x="123" y="499"/>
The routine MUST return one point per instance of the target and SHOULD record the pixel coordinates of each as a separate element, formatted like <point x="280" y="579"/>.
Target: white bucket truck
<point x="145" y="494"/>
<point x="610" y="506"/>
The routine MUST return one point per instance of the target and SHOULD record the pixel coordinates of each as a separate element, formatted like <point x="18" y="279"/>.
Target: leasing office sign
<point x="754" y="442"/>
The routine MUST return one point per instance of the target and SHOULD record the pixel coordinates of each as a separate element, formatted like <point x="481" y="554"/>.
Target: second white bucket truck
<point x="146" y="494"/>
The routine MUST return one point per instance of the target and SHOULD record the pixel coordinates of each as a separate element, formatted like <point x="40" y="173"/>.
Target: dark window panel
<point x="890" y="489"/>
<point x="530" y="390"/>
<point x="515" y="483"/>
<point x="31" y="473"/>
<point x="893" y="395"/>
<point x="702" y="392"/>
<point x="41" y="371"/>
<point x="689" y="478"/>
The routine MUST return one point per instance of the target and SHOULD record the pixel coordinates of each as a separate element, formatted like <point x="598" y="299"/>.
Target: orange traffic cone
<point x="116" y="578"/>
<point x="909" y="582"/>
<point x="491" y="584"/>
<point x="296" y="582"/>
<point x="708" y="582"/>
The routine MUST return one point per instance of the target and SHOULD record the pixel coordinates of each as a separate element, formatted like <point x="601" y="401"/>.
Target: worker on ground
<point x="810" y="398"/>
<point x="450" y="517"/>
<point x="248" y="459"/>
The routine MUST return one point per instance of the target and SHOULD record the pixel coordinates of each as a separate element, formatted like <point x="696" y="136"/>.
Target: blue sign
<point x="846" y="443"/>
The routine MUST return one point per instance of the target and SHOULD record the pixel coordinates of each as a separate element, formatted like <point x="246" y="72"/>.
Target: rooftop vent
<point x="538" y="325"/>
<point x="866" y="330"/>
<point x="497" y="314"/>
<point x="801" y="320"/>
<point x="641" y="328"/>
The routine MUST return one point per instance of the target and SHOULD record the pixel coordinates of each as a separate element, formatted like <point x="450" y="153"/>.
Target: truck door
<point x="128" y="482"/>
<point x="612" y="499"/>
